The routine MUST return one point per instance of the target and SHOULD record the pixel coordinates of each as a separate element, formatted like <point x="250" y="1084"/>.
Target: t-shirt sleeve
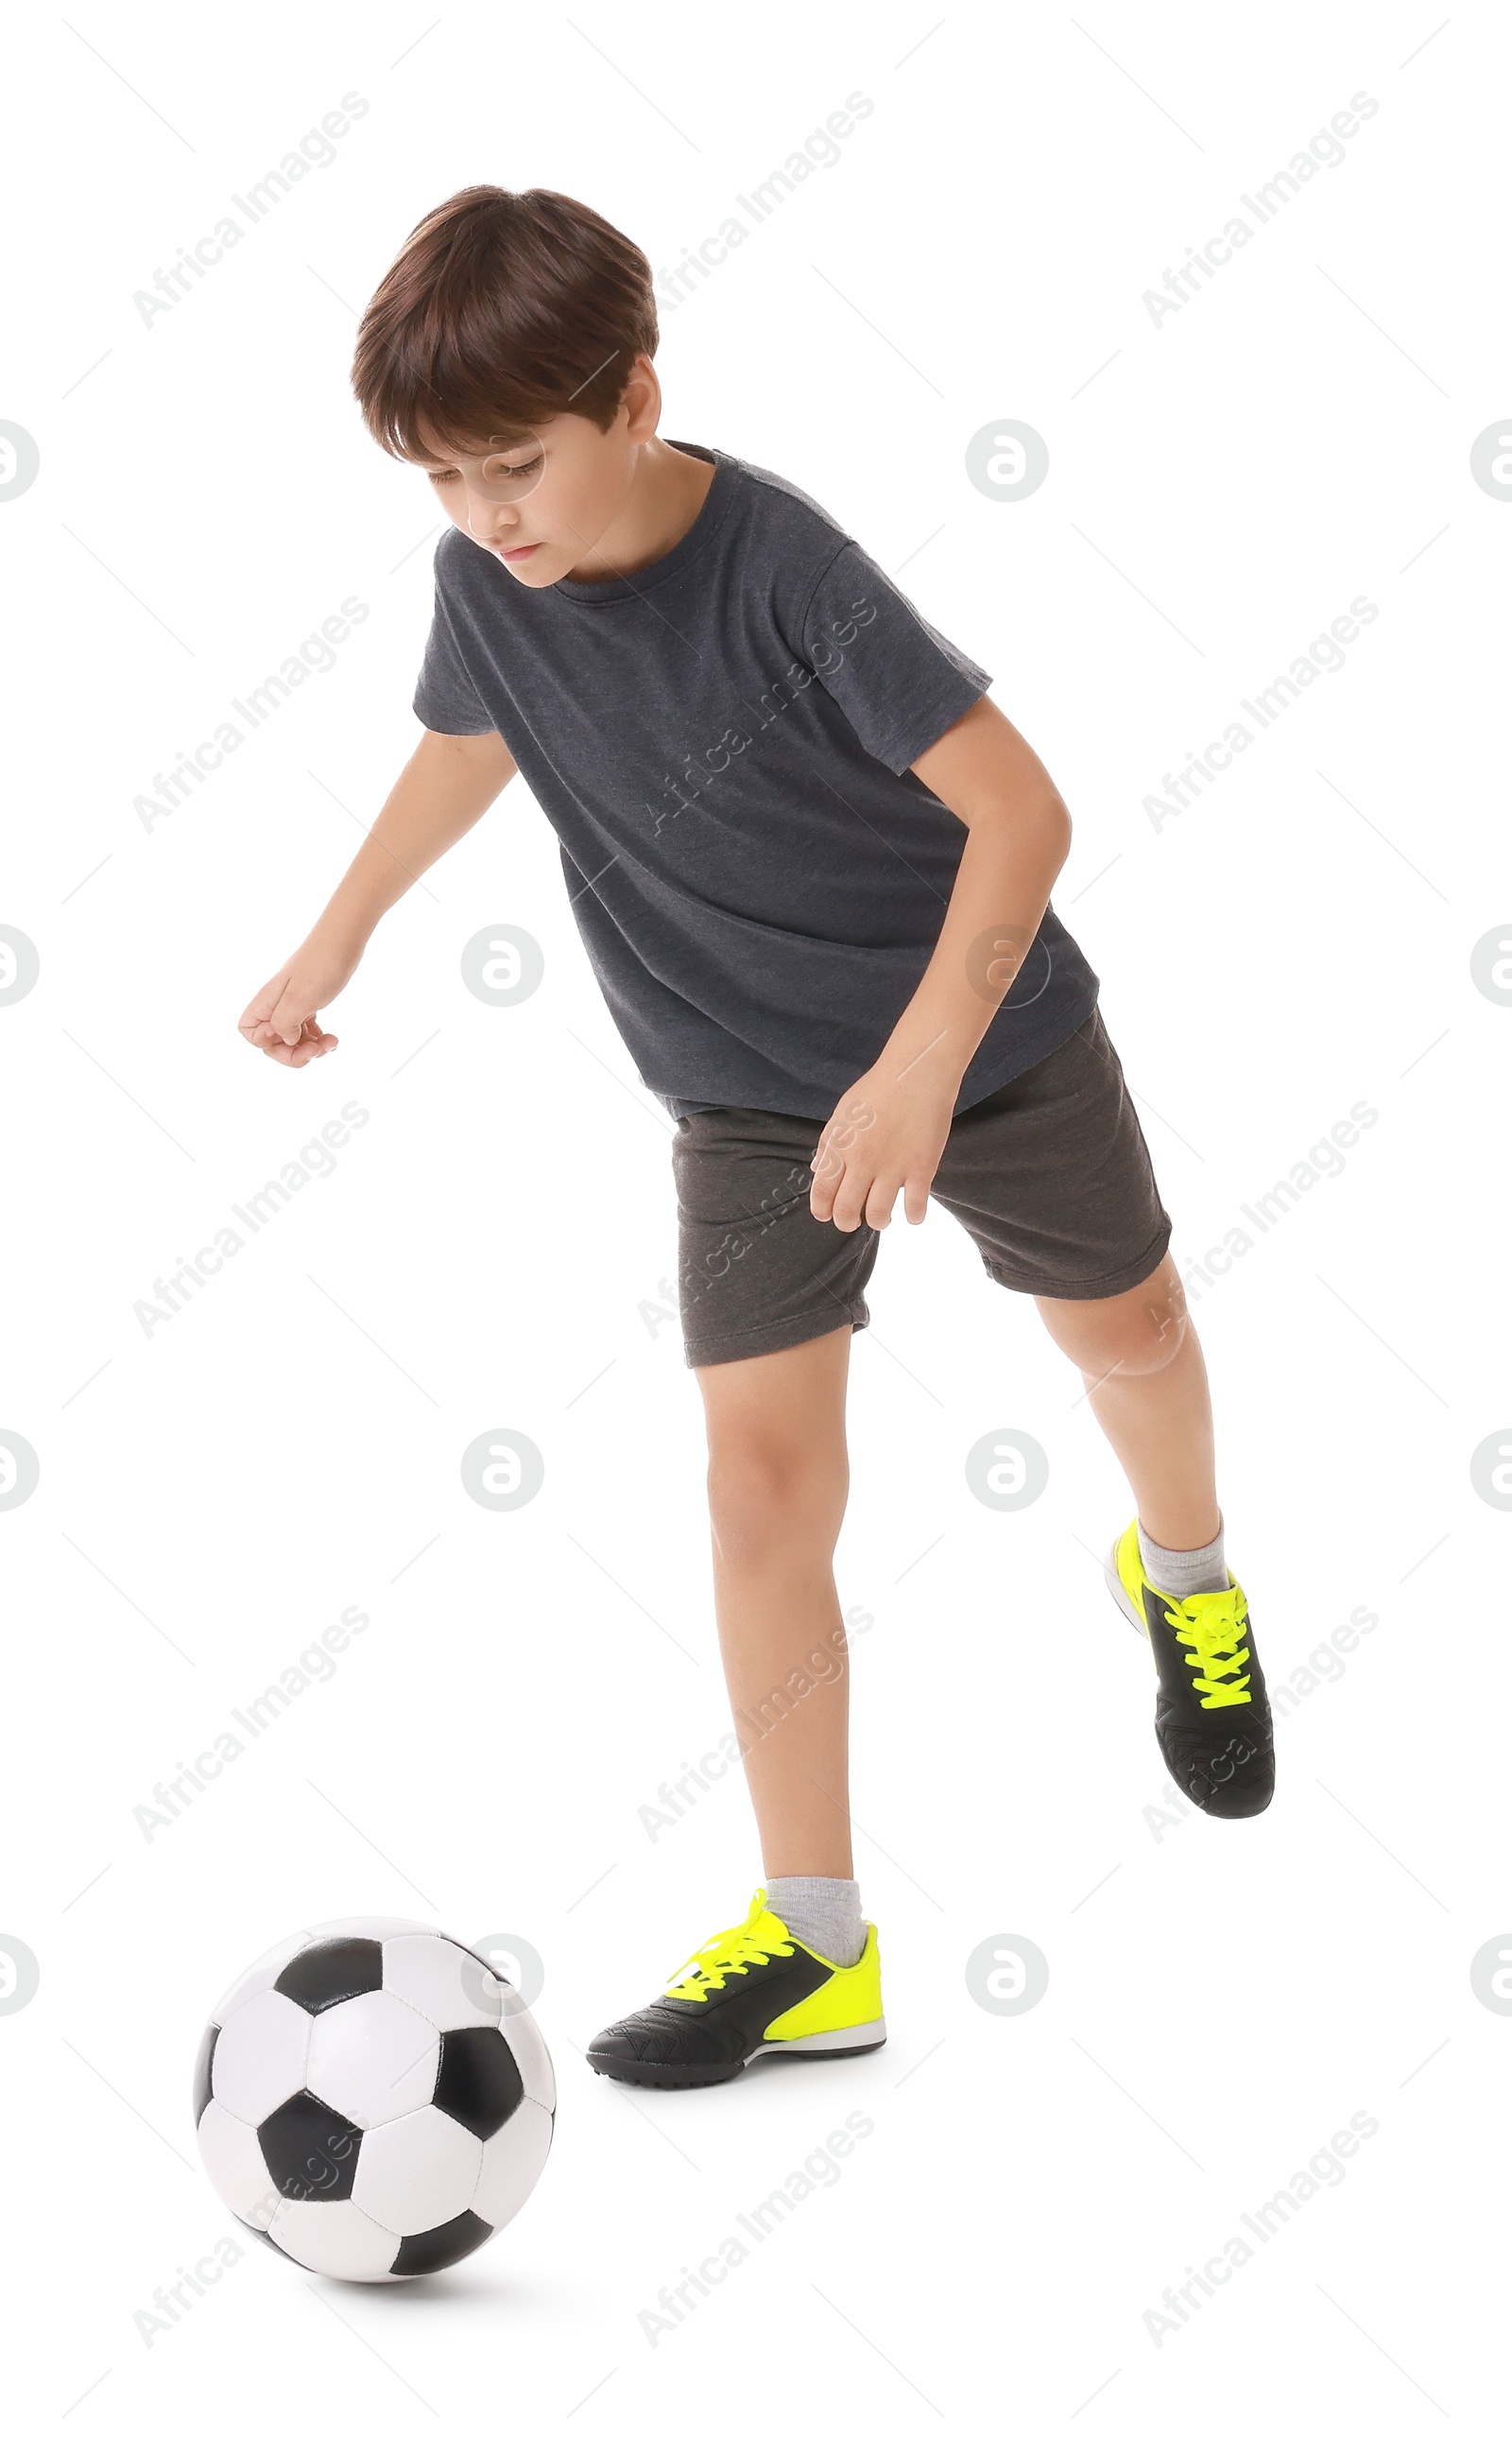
<point x="898" y="681"/>
<point x="445" y="699"/>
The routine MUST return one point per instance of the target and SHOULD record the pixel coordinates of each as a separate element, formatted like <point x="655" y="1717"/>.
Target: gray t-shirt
<point x="721" y="743"/>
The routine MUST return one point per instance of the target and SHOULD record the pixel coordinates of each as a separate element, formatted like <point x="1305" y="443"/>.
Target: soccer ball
<point x="373" y="2099"/>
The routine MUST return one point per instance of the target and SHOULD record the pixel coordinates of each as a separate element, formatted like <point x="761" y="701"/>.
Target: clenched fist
<point x="282" y="1019"/>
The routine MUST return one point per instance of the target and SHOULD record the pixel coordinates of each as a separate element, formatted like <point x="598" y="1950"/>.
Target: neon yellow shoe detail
<point x="1212" y="1715"/>
<point x="731" y="1952"/>
<point x="753" y="1990"/>
<point x="1209" y="1624"/>
<point x="849" y="1996"/>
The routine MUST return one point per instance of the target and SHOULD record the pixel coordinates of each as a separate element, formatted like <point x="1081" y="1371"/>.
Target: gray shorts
<point x="1050" y="1176"/>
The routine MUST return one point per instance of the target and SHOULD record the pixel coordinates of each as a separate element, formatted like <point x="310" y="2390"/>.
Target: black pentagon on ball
<point x="479" y="2082"/>
<point x="332" y="1969"/>
<point x="310" y="2152"/>
<point x="440" y="2246"/>
<point x="201" y="2070"/>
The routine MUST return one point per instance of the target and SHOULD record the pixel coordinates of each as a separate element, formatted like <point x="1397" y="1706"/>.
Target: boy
<point x="811" y="864"/>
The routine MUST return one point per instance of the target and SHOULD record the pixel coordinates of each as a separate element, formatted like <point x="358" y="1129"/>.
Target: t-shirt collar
<point x="701" y="531"/>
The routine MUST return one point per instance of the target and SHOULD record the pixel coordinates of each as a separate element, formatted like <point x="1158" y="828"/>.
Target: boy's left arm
<point x="890" y="1127"/>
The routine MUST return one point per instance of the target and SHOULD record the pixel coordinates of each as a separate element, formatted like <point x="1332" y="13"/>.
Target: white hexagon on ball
<point x="235" y="2165"/>
<point x="372" y="2057"/>
<point x="444" y="1982"/>
<point x="260" y="2056"/>
<point x="336" y="2239"/>
<point x="419" y="2172"/>
<point x="528" y="2050"/>
<point x="512" y="2160"/>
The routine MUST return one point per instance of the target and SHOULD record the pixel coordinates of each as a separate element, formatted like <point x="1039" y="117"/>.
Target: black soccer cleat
<point x="1212" y="1720"/>
<point x="751" y="1991"/>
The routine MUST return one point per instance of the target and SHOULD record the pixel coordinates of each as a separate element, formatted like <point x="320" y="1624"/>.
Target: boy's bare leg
<point x="1147" y="1384"/>
<point x="777" y="1481"/>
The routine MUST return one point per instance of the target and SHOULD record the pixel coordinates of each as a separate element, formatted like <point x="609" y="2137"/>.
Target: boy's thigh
<point x="1052" y="1180"/>
<point x="756" y="1271"/>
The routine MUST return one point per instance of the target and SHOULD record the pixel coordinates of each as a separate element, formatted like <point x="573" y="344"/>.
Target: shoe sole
<point x="859" y="2039"/>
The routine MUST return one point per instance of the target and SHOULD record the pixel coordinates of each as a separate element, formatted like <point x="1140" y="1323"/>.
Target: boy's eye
<point x="506" y="473"/>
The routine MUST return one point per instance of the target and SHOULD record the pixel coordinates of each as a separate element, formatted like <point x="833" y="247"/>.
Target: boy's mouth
<point x="523" y="551"/>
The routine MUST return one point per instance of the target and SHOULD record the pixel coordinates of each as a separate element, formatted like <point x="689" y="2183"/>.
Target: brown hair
<point x="499" y="311"/>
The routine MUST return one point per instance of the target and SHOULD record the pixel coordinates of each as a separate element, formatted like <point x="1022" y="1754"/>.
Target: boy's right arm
<point x="447" y="783"/>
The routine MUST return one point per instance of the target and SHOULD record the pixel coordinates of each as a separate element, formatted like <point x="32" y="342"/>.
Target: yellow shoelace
<point x="1211" y="1625"/>
<point x="729" y="1950"/>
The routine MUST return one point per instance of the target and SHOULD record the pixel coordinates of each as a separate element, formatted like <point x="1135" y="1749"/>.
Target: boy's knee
<point x="1130" y="1342"/>
<point x="1131" y="1334"/>
<point x="763" y="1491"/>
<point x="1144" y="1343"/>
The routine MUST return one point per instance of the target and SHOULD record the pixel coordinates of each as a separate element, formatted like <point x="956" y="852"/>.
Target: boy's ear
<point x="641" y="399"/>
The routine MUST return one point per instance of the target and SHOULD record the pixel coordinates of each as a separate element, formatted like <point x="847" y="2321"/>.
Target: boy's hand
<point x="281" y="1020"/>
<point x="887" y="1132"/>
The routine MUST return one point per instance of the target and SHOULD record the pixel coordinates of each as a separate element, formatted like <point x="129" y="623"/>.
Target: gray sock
<point x="825" y="1913"/>
<point x="1178" y="1573"/>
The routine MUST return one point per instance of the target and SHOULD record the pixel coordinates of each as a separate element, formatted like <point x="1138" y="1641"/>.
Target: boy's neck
<point x="666" y="493"/>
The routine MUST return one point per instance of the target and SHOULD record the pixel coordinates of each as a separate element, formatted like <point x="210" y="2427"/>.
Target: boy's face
<point x="540" y="501"/>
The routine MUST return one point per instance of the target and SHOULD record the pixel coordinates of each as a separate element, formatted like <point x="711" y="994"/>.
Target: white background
<point x="1222" y="1998"/>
